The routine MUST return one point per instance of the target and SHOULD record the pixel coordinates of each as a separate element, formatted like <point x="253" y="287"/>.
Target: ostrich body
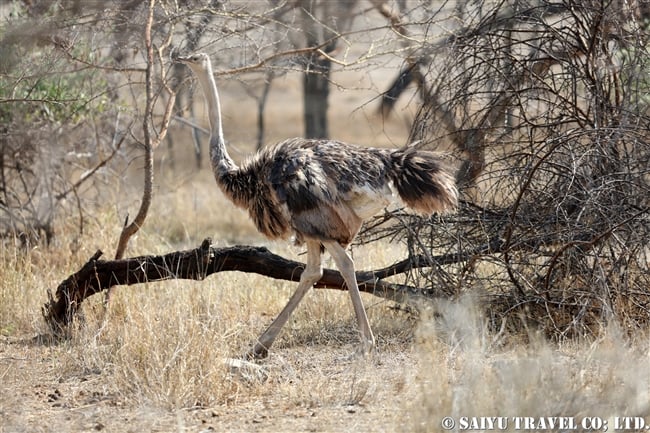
<point x="320" y="191"/>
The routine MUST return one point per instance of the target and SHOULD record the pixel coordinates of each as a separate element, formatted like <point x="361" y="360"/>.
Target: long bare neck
<point x="221" y="161"/>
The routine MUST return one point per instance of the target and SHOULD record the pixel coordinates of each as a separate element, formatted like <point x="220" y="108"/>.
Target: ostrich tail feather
<point x="423" y="181"/>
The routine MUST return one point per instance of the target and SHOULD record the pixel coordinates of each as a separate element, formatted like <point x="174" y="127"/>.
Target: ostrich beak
<point x="176" y="58"/>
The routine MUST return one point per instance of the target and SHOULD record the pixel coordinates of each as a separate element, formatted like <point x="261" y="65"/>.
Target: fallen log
<point x="98" y="275"/>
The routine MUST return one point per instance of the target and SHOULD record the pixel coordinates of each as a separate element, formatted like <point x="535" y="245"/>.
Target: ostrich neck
<point x="221" y="161"/>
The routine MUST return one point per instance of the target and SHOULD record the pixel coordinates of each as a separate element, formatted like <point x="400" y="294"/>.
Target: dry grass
<point x="154" y="358"/>
<point x="153" y="361"/>
<point x="477" y="374"/>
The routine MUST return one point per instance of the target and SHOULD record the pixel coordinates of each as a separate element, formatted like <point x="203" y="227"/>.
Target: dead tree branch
<point x="196" y="264"/>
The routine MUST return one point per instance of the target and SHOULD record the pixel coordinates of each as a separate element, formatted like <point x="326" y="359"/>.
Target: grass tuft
<point x="476" y="375"/>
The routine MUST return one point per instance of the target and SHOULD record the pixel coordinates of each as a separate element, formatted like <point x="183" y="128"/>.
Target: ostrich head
<point x="198" y="61"/>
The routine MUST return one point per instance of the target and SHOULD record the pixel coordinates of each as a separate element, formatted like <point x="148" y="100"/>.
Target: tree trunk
<point x="316" y="93"/>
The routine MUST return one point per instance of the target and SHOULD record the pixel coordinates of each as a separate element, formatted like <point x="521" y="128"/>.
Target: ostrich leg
<point x="345" y="264"/>
<point x="312" y="273"/>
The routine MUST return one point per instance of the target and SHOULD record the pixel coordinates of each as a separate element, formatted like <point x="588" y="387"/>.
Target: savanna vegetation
<point x="531" y="301"/>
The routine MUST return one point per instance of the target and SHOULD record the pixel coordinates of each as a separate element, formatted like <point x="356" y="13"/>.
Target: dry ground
<point x="41" y="393"/>
<point x="153" y="361"/>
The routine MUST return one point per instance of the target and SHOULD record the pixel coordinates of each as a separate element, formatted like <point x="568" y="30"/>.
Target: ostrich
<point x="320" y="191"/>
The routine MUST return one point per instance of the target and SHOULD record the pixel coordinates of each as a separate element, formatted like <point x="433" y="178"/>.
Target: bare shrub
<point x="55" y="125"/>
<point x="546" y="103"/>
<point x="68" y="99"/>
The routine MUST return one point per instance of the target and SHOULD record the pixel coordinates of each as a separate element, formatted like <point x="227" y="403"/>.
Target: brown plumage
<point x="320" y="192"/>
